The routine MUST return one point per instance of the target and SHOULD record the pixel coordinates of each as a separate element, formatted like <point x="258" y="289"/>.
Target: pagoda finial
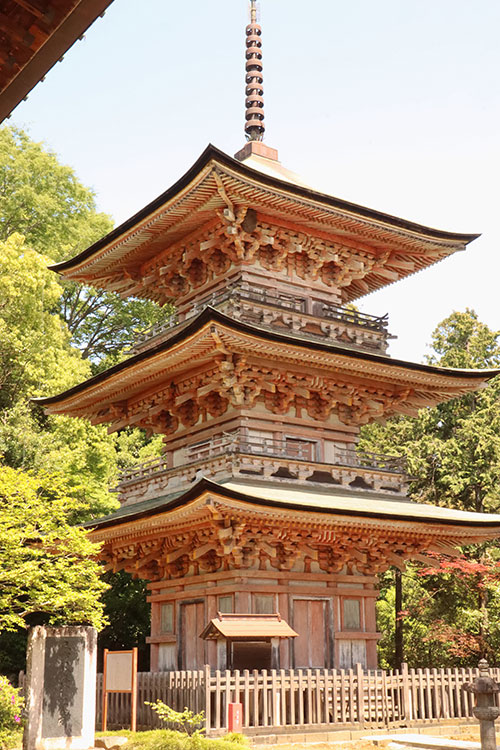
<point x="254" y="104"/>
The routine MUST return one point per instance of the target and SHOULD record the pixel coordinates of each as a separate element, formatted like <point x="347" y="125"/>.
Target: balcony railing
<point x="290" y="450"/>
<point x="261" y="297"/>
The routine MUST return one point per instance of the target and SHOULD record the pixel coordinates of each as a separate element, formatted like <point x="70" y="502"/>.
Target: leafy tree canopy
<point x="453" y="450"/>
<point x="47" y="566"/>
<point x="44" y="201"/>
<point x="35" y="356"/>
<point x="450" y="612"/>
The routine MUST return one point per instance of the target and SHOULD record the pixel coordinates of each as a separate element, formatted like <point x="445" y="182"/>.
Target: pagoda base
<point x="334" y="616"/>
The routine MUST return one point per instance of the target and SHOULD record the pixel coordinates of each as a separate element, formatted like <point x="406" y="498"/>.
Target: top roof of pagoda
<point x="132" y="258"/>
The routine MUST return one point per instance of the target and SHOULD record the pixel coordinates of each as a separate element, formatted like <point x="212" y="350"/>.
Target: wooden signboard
<point x="120" y="676"/>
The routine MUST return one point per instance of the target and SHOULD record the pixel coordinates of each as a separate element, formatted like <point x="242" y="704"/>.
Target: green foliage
<point x="43" y="200"/>
<point x="54" y="334"/>
<point x="11" y="705"/>
<point x="126" y="595"/>
<point x="103" y="325"/>
<point x="186" y="721"/>
<point x="237" y="737"/>
<point x="47" y="566"/>
<point x="34" y="342"/>
<point x="166" y="739"/>
<point x="450" y="613"/>
<point x="453" y="451"/>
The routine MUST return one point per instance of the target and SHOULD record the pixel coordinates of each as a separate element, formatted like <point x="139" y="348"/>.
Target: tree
<point x="44" y="201"/>
<point x="126" y="595"/>
<point x="103" y="325"/>
<point x="453" y="454"/>
<point x="33" y="340"/>
<point x="47" y="566"/>
<point x="54" y="334"/>
<point x="453" y="450"/>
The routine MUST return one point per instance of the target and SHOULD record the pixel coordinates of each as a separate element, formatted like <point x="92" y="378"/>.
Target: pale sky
<point x="392" y="104"/>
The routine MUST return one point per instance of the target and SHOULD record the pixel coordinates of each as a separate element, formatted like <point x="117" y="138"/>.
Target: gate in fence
<point x="278" y="700"/>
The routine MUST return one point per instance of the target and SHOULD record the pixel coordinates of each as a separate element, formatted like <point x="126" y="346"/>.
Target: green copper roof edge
<point x="170" y="502"/>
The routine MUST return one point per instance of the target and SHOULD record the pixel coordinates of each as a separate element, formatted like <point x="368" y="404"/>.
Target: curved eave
<point x="29" y="63"/>
<point x="212" y="154"/>
<point x="211" y="315"/>
<point x="205" y="487"/>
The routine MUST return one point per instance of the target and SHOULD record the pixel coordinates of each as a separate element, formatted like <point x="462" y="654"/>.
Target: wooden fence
<point x="319" y="699"/>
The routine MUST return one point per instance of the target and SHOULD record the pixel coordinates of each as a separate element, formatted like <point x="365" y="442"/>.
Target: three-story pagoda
<point x="261" y="503"/>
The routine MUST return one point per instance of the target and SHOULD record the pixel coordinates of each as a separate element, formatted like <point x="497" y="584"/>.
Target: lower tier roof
<point x="326" y="504"/>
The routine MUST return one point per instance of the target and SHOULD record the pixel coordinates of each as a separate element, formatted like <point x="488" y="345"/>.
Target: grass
<point x="167" y="739"/>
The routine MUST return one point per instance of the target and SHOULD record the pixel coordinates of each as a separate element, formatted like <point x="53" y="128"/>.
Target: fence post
<point x="208" y="702"/>
<point x="407" y="712"/>
<point x="361" y="693"/>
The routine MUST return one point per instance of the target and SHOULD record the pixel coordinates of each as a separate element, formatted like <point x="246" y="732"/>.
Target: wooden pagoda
<point x="261" y="503"/>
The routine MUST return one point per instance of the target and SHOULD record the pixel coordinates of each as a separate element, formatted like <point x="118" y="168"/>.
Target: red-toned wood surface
<point x="34" y="34"/>
<point x="192" y="624"/>
<point x="309" y="621"/>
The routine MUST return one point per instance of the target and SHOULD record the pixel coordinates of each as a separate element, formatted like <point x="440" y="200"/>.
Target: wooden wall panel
<point x="310" y="622"/>
<point x="192" y="623"/>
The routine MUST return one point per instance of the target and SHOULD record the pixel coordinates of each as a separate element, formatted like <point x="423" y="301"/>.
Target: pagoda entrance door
<point x="312" y="620"/>
<point x="192" y="622"/>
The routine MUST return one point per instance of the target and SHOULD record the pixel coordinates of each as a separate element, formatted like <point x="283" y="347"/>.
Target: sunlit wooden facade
<point x="261" y="501"/>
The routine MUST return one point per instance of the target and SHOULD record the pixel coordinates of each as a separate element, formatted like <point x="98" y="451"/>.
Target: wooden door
<point x="192" y="623"/>
<point x="310" y="620"/>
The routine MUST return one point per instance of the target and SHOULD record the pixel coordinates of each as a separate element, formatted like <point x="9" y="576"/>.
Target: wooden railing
<point x="307" y="699"/>
<point x="235" y="443"/>
<point x="238" y="293"/>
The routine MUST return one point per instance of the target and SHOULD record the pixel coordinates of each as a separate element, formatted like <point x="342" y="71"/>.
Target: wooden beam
<point x="34" y="8"/>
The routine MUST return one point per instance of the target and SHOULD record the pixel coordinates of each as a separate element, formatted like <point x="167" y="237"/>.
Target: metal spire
<point x="254" y="103"/>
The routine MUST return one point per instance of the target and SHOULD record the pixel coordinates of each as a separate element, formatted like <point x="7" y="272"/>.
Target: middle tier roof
<point x="213" y="356"/>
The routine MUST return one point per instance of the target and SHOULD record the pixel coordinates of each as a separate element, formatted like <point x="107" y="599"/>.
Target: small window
<point x="167" y="618"/>
<point x="301" y="448"/>
<point x="225" y="604"/>
<point x="352" y="614"/>
<point x="263" y="604"/>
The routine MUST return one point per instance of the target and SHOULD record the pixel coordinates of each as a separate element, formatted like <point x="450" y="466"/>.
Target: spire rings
<point x="254" y="103"/>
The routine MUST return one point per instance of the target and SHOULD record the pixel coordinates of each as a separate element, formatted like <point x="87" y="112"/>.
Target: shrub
<point x="166" y="739"/>
<point x="186" y="721"/>
<point x="11" y="705"/>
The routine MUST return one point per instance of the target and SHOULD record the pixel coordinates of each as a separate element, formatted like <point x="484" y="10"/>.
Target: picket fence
<point x="302" y="699"/>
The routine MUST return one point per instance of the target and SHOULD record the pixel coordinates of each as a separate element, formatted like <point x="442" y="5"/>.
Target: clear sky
<point x="393" y="104"/>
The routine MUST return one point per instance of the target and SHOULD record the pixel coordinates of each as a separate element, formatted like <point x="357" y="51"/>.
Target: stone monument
<point x="60" y="688"/>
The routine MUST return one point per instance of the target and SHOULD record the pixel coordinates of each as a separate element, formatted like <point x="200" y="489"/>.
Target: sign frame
<point x="132" y="690"/>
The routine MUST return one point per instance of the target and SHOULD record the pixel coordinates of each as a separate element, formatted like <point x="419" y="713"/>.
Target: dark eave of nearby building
<point x="148" y="508"/>
<point x="29" y="63"/>
<point x="211" y="315"/>
<point x="214" y="154"/>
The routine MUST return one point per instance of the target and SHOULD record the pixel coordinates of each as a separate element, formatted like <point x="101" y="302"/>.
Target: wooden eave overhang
<point x="34" y="35"/>
<point x="329" y="510"/>
<point x="216" y="179"/>
<point x="212" y="333"/>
